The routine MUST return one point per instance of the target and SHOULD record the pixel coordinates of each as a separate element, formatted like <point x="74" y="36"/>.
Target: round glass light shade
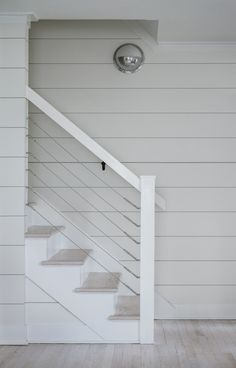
<point x="128" y="58"/>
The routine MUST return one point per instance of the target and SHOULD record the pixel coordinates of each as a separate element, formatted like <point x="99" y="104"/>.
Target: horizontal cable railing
<point x="79" y="178"/>
<point x="79" y="195"/>
<point x="85" y="167"/>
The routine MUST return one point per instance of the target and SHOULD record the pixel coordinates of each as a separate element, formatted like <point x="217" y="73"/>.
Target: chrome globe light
<point x="128" y="58"/>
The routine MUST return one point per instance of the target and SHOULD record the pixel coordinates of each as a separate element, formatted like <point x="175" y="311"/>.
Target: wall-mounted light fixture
<point x="128" y="58"/>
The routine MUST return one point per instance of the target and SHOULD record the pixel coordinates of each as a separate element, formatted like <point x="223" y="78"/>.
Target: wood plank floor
<point x="179" y="344"/>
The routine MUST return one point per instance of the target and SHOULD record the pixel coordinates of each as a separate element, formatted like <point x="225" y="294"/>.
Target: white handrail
<point x="87" y="142"/>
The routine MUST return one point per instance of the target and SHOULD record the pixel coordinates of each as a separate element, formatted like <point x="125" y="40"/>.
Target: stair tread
<point x="38" y="231"/>
<point x="127" y="307"/>
<point x="68" y="257"/>
<point x="100" y="281"/>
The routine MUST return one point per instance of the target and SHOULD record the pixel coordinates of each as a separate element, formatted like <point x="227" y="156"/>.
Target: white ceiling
<point x="179" y="20"/>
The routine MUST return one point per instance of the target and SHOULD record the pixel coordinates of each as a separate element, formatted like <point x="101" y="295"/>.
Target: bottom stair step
<point x="67" y="257"/>
<point x="100" y="282"/>
<point x="127" y="308"/>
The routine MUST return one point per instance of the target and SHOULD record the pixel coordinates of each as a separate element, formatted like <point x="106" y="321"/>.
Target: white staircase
<point x="72" y="253"/>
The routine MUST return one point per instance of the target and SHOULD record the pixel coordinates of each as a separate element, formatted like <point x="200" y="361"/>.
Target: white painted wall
<point x="13" y="127"/>
<point x="174" y="119"/>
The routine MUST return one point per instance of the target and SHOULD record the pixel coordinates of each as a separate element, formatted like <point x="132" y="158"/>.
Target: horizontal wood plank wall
<point x="176" y="119"/>
<point x="13" y="124"/>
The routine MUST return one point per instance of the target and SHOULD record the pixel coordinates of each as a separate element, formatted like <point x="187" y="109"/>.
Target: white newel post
<point x="147" y="264"/>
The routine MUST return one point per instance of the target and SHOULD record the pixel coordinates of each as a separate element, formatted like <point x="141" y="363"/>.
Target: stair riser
<point x="54" y="244"/>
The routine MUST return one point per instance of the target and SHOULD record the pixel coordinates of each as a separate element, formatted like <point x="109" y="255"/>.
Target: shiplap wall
<point x="13" y="124"/>
<point x="175" y="119"/>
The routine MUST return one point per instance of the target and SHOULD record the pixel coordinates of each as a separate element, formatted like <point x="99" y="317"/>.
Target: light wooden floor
<point x="185" y="344"/>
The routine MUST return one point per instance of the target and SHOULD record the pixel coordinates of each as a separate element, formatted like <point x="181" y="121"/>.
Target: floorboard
<point x="178" y="344"/>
